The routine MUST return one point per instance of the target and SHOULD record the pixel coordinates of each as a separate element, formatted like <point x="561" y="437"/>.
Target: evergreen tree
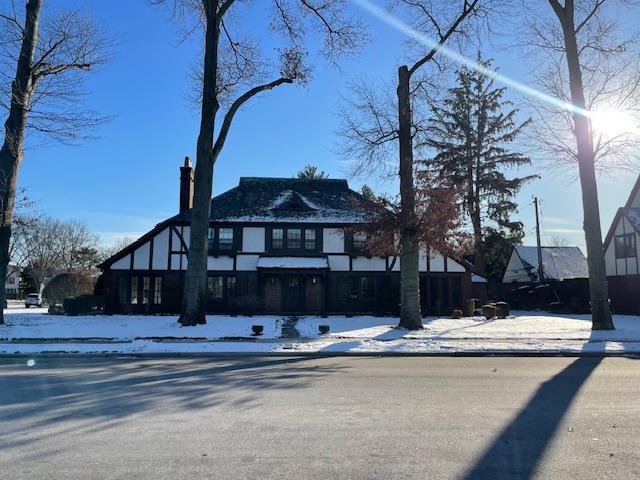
<point x="367" y="192"/>
<point x="470" y="132"/>
<point x="311" y="171"/>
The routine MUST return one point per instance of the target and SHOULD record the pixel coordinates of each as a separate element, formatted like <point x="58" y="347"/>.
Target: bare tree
<point x="234" y="71"/>
<point x="78" y="247"/>
<point x="44" y="90"/>
<point x="609" y="62"/>
<point x="598" y="72"/>
<point x="369" y="127"/>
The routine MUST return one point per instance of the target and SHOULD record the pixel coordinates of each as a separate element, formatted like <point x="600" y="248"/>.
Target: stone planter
<point x="257" y="329"/>
<point x="489" y="311"/>
<point x="502" y="309"/>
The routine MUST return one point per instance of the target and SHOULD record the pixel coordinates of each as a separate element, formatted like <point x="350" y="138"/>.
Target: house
<point x="565" y="282"/>
<point x="12" y="282"/>
<point x="276" y="245"/>
<point x="621" y="256"/>
<point x="558" y="263"/>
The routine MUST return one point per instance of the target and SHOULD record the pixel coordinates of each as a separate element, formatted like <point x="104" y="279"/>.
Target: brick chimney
<point x="186" y="185"/>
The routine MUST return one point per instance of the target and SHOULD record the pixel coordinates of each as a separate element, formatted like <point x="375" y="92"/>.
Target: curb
<point x="155" y="355"/>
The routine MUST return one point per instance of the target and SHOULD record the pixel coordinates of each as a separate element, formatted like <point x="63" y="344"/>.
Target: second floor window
<point x="225" y="239"/>
<point x="221" y="238"/>
<point x="277" y="238"/>
<point x="309" y="239"/>
<point x="294" y="238"/>
<point x="625" y="245"/>
<point x="359" y="241"/>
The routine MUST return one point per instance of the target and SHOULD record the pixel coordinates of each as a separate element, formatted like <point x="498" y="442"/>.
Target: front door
<point x="272" y="293"/>
<point x="293" y="294"/>
<point x="314" y="298"/>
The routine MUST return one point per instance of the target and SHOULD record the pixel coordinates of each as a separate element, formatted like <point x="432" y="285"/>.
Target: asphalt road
<point x="320" y="418"/>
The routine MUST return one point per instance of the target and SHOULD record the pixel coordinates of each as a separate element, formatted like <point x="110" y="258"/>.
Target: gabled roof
<point x="285" y="200"/>
<point x="629" y="211"/>
<point x="559" y="263"/>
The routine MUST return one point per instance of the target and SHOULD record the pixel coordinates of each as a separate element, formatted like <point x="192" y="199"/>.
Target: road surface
<point x="320" y="418"/>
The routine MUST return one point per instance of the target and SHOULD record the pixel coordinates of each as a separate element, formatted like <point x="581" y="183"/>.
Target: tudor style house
<point x="276" y="245"/>
<point x="622" y="256"/>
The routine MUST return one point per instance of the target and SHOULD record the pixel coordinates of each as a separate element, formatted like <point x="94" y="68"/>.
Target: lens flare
<point x="623" y="120"/>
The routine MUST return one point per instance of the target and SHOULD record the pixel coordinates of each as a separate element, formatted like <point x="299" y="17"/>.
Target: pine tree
<point x="311" y="172"/>
<point x="470" y="132"/>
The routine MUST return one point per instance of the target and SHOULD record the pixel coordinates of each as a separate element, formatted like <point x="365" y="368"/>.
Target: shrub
<point x="70" y="284"/>
<point x="56" y="310"/>
<point x="83" y="304"/>
<point x="248" y="304"/>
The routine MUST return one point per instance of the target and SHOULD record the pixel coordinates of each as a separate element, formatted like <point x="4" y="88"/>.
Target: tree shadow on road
<point x="516" y="453"/>
<point x="80" y="394"/>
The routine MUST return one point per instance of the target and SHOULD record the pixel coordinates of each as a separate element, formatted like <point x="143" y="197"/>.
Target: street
<point x="320" y="418"/>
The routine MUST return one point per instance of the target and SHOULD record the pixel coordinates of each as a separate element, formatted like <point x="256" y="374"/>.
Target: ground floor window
<point x="221" y="287"/>
<point x="140" y="290"/>
<point x="362" y="288"/>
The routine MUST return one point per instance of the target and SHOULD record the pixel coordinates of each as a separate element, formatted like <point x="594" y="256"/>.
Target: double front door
<point x="293" y="293"/>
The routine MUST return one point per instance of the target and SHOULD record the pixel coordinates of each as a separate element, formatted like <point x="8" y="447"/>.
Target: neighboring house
<point x="12" y="283"/>
<point x="565" y="283"/>
<point x="558" y="263"/>
<point x="276" y="245"/>
<point x="622" y="256"/>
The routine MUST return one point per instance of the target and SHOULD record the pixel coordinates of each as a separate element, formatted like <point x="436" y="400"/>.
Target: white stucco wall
<point x="339" y="263"/>
<point x="220" y="263"/>
<point x="364" y="264"/>
<point x="253" y="239"/>
<point x="247" y="262"/>
<point x="123" y="264"/>
<point x="161" y="250"/>
<point x="333" y="240"/>
<point x="141" y="257"/>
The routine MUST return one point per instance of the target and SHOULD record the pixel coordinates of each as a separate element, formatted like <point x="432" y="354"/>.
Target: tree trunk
<point x="195" y="286"/>
<point x="410" y="315"/>
<point x="14" y="127"/>
<point x="600" y="311"/>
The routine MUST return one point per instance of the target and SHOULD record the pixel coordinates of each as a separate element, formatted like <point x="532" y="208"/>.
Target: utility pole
<point x="540" y="267"/>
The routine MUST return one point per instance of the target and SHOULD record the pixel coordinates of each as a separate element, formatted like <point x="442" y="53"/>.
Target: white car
<point x="33" y="300"/>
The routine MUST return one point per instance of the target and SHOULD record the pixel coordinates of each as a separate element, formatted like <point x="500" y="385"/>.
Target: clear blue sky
<point x="126" y="181"/>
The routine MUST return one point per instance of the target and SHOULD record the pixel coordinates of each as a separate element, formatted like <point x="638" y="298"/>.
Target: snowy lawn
<point x="35" y="323"/>
<point x="31" y="331"/>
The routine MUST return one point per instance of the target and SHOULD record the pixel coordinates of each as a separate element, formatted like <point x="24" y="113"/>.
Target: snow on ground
<point x="524" y="332"/>
<point x="36" y="323"/>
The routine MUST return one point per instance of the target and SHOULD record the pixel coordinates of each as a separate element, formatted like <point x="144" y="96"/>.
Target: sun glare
<point x="615" y="122"/>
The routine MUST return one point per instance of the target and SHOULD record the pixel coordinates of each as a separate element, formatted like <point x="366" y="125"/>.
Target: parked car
<point x="33" y="300"/>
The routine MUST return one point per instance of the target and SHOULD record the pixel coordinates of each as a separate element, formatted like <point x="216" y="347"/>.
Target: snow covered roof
<point x="293" y="262"/>
<point x="559" y="263"/>
<point x="286" y="200"/>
